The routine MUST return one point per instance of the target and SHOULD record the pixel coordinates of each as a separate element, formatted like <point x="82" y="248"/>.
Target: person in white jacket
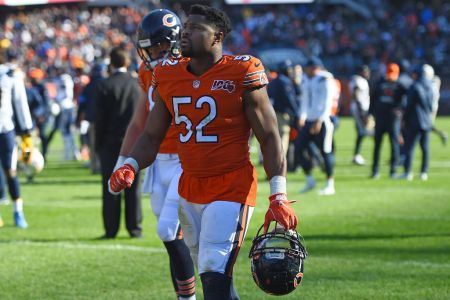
<point x="436" y="84"/>
<point x="359" y="108"/>
<point x="13" y="106"/>
<point x="318" y="88"/>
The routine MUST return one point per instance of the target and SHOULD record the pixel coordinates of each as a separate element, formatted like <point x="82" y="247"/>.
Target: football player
<point x="159" y="38"/>
<point x="215" y="100"/>
<point x="13" y="105"/>
<point x="359" y="108"/>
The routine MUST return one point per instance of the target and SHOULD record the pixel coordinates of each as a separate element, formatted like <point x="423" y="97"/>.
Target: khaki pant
<point x="284" y="129"/>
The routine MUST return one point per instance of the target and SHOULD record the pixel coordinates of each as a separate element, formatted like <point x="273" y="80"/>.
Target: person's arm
<point x="262" y="119"/>
<point x="20" y="104"/>
<point x="158" y="122"/>
<point x="146" y="147"/>
<point x="302" y="105"/>
<point x="263" y="122"/>
<point x="328" y="87"/>
<point x="134" y="129"/>
<point x="23" y="117"/>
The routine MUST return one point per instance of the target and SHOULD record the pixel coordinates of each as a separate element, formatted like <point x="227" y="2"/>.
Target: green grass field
<point x="384" y="239"/>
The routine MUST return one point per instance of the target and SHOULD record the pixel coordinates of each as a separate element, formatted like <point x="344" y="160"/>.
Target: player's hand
<point x="316" y="127"/>
<point x="26" y="146"/>
<point x="120" y="179"/>
<point x="301" y="123"/>
<point x="281" y="211"/>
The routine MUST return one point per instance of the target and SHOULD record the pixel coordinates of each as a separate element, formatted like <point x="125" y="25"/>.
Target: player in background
<point x="436" y="85"/>
<point x="215" y="101"/>
<point x="386" y="105"/>
<point x="318" y="90"/>
<point x="14" y="106"/>
<point x="359" y="108"/>
<point x="159" y="38"/>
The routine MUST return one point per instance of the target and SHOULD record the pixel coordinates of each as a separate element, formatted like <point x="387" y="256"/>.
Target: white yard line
<point x="84" y="246"/>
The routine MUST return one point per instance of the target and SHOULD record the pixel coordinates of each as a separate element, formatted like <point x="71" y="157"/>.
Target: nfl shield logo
<point x="196" y="84"/>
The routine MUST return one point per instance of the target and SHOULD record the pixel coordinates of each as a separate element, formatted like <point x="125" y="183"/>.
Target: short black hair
<point x="213" y="16"/>
<point x="119" y="57"/>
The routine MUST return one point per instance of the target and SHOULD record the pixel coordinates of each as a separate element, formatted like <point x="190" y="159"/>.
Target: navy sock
<point x="181" y="268"/>
<point x="216" y="286"/>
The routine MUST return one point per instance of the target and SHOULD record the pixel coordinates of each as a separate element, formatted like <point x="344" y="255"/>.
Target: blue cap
<point x="284" y="65"/>
<point x="314" y="62"/>
<point x="98" y="69"/>
<point x="418" y="69"/>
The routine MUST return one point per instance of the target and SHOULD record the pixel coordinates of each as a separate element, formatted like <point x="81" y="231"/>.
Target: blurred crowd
<point x="410" y="30"/>
<point x="61" y="49"/>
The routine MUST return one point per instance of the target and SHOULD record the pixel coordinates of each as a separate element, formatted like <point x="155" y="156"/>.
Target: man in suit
<point x="115" y="101"/>
<point x="418" y="121"/>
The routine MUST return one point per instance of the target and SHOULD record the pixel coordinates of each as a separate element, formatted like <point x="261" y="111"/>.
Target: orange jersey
<point x="169" y="145"/>
<point x="213" y="130"/>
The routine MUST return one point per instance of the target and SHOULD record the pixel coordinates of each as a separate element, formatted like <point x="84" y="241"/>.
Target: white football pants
<point x="161" y="181"/>
<point x="214" y="233"/>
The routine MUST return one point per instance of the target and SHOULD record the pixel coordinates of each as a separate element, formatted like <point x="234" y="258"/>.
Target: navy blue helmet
<point x="277" y="260"/>
<point x="156" y="27"/>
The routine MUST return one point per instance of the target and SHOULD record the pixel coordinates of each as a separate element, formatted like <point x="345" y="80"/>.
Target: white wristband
<point x="119" y="162"/>
<point x="133" y="163"/>
<point x="277" y="185"/>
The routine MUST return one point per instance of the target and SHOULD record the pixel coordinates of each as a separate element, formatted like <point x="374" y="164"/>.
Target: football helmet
<point x="277" y="259"/>
<point x="157" y="26"/>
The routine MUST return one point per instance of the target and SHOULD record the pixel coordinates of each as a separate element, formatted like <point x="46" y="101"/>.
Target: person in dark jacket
<point x="418" y="121"/>
<point x="282" y="93"/>
<point x="115" y="101"/>
<point x="386" y="107"/>
<point x="39" y="102"/>
<point x="86" y="113"/>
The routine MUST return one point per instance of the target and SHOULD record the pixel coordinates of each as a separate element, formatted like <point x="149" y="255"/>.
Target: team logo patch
<point x="227" y="85"/>
<point x="169" y="20"/>
<point x="196" y="84"/>
<point x="298" y="279"/>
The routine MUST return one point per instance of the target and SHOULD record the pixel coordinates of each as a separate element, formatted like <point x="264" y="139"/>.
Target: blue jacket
<point x="282" y="93"/>
<point x="418" y="113"/>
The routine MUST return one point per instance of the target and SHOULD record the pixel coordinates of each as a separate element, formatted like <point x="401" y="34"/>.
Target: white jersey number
<point x="179" y="118"/>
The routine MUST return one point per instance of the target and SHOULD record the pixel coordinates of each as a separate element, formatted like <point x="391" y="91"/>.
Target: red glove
<point x="120" y="179"/>
<point x="281" y="211"/>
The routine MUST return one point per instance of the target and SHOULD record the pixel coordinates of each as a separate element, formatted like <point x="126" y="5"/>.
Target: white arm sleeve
<point x="20" y="103"/>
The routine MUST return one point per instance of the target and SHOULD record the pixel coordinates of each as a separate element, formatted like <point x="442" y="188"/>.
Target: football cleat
<point x="277" y="260"/>
<point x="327" y="191"/>
<point x="4" y="201"/>
<point x="407" y="176"/>
<point x="19" y="220"/>
<point x="309" y="185"/>
<point x="358" y="160"/>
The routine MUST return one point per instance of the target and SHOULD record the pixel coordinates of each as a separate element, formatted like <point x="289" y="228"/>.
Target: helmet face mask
<point x="277" y="260"/>
<point x="158" y="32"/>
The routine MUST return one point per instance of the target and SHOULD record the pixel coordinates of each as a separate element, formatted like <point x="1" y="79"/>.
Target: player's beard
<point x="186" y="50"/>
